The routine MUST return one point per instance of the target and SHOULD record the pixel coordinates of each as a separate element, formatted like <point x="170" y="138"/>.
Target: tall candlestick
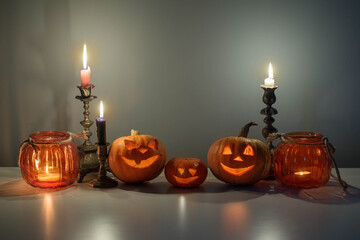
<point x="270" y="81"/>
<point x="85" y="73"/>
<point x="101" y="126"/>
<point x="269" y="99"/>
<point x="102" y="181"/>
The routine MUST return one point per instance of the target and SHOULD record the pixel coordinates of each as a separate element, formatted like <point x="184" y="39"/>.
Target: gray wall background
<point x="188" y="72"/>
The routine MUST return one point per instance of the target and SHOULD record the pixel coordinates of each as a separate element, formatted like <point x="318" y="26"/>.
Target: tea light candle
<point x="302" y="173"/>
<point x="48" y="176"/>
<point x="270" y="81"/>
<point x="101" y="126"/>
<point x="85" y="74"/>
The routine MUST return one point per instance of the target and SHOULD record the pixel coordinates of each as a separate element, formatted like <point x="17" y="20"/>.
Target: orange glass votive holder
<point x="49" y="159"/>
<point x="301" y="160"/>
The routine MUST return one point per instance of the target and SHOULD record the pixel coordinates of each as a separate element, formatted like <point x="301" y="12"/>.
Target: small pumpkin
<point x="137" y="158"/>
<point x="239" y="160"/>
<point x="185" y="172"/>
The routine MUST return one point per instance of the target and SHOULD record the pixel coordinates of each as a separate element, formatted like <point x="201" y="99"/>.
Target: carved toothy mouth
<point x="237" y="171"/>
<point x="141" y="164"/>
<point x="185" y="180"/>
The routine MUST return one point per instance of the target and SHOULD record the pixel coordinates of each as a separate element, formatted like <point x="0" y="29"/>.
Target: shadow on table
<point x="223" y="192"/>
<point x="331" y="193"/>
<point x="18" y="188"/>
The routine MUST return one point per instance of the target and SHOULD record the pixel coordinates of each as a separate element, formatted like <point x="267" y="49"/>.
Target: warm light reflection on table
<point x="49" y="224"/>
<point x="234" y="218"/>
<point x="102" y="228"/>
<point x="182" y="213"/>
<point x="158" y="211"/>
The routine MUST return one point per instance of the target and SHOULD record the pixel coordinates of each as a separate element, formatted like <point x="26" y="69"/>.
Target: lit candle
<point x="49" y="176"/>
<point x="85" y="73"/>
<point x="270" y="81"/>
<point x="101" y="126"/>
<point x="302" y="173"/>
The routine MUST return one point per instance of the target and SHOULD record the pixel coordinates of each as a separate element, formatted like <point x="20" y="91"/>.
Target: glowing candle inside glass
<point x="85" y="73"/>
<point x="302" y="173"/>
<point x="270" y="81"/>
<point x="49" y="175"/>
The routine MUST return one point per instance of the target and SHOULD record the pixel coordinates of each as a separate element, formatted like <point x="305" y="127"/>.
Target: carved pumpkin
<point x="137" y="158"/>
<point x="185" y="172"/>
<point x="239" y="160"/>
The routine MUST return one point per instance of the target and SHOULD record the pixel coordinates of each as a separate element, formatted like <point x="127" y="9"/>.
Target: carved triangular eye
<point x="227" y="150"/>
<point x="181" y="171"/>
<point x="130" y="144"/>
<point x="249" y="151"/>
<point x="192" y="171"/>
<point x="153" y="144"/>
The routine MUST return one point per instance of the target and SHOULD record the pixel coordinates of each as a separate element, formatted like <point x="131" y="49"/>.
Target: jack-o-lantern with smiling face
<point x="137" y="158"/>
<point x="239" y="160"/>
<point x="185" y="172"/>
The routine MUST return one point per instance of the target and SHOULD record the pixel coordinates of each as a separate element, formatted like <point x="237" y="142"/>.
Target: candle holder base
<point x="103" y="182"/>
<point x="88" y="161"/>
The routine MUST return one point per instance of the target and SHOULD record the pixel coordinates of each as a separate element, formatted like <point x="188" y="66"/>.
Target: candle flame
<point x="302" y="173"/>
<point x="84" y="57"/>
<point x="270" y="71"/>
<point x="101" y="110"/>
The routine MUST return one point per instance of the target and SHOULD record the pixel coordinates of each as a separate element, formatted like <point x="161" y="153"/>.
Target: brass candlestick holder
<point x="269" y="99"/>
<point x="102" y="181"/>
<point x="88" y="158"/>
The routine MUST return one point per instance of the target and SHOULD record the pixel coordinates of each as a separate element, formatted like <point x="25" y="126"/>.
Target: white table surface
<point x="156" y="210"/>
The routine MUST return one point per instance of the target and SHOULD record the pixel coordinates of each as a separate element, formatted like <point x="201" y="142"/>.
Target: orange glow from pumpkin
<point x="181" y="171"/>
<point x="236" y="171"/>
<point x="185" y="180"/>
<point x="141" y="163"/>
<point x="192" y="171"/>
<point x="153" y="144"/>
<point x="143" y="150"/>
<point x="249" y="151"/>
<point x="238" y="158"/>
<point x="227" y="150"/>
<point x="130" y="144"/>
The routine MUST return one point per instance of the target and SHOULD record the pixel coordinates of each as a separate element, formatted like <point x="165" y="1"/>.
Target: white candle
<point x="270" y="81"/>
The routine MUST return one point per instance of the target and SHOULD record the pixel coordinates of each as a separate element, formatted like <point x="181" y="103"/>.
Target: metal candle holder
<point x="102" y="181"/>
<point x="269" y="99"/>
<point x="88" y="158"/>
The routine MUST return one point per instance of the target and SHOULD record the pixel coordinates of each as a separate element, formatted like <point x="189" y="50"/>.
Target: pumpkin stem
<point x="245" y="130"/>
<point x="134" y="132"/>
